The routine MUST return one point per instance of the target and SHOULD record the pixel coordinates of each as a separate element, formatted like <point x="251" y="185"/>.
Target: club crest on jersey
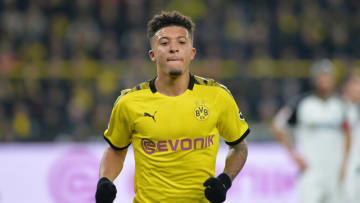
<point x="201" y="111"/>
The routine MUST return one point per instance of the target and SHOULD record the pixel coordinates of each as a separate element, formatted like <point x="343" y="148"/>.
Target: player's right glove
<point x="216" y="188"/>
<point x="105" y="191"/>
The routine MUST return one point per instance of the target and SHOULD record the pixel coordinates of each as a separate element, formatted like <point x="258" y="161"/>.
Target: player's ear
<point x="193" y="53"/>
<point x="152" y="55"/>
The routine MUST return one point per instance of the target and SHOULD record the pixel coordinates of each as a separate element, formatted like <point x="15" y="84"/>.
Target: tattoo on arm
<point x="236" y="159"/>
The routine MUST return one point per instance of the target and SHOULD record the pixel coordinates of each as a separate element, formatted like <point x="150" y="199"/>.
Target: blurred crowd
<point x="63" y="63"/>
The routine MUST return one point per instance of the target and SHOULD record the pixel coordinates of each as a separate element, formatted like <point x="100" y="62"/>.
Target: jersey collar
<point x="190" y="86"/>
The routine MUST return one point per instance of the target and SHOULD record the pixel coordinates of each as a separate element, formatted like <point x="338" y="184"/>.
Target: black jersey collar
<point x="190" y="86"/>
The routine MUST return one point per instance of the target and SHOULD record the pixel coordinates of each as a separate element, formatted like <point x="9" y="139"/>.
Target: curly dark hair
<point x="165" y="19"/>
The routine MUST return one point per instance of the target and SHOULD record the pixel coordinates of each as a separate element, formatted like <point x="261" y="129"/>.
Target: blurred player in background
<point x="173" y="123"/>
<point x="352" y="96"/>
<point x="321" y="139"/>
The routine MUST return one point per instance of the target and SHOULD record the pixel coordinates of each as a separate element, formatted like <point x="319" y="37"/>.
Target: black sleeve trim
<point x="114" y="147"/>
<point x="292" y="121"/>
<point x="240" y="139"/>
<point x="294" y="105"/>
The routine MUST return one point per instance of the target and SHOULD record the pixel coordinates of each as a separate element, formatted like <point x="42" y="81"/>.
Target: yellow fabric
<point x="175" y="139"/>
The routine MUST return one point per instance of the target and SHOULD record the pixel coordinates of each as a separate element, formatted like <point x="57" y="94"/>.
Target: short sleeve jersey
<point x="316" y="122"/>
<point x="175" y="139"/>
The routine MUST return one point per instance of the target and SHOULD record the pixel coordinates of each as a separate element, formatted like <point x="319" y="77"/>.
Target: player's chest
<point x="322" y="114"/>
<point x="162" y="118"/>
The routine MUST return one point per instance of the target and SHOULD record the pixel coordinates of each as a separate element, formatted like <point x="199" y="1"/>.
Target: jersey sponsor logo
<point x="148" y="146"/>
<point x="186" y="144"/>
<point x="201" y="112"/>
<point x="151" y="116"/>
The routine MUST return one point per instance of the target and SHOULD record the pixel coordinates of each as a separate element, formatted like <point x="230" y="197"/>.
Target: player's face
<point x="172" y="50"/>
<point x="353" y="89"/>
<point x="324" y="83"/>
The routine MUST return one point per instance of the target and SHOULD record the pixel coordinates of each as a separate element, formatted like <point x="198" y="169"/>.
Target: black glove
<point x="105" y="191"/>
<point x="216" y="188"/>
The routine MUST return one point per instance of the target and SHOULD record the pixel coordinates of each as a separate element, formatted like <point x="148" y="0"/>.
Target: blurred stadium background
<point x="63" y="63"/>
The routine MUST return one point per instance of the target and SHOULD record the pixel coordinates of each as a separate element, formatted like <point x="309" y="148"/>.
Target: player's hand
<point x="300" y="162"/>
<point x="105" y="191"/>
<point x="342" y="174"/>
<point x="216" y="188"/>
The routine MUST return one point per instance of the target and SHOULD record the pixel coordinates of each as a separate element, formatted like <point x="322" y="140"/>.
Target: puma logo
<point x="151" y="116"/>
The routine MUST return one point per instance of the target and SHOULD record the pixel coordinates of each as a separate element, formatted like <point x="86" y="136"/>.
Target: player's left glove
<point x="105" y="191"/>
<point x="216" y="188"/>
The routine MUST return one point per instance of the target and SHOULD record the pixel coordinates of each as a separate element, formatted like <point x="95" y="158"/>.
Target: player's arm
<point x="234" y="129"/>
<point x="344" y="163"/>
<point x="236" y="159"/>
<point x="278" y="128"/>
<point x="118" y="135"/>
<point x="112" y="163"/>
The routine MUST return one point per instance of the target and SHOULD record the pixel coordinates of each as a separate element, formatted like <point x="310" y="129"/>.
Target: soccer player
<point x="322" y="142"/>
<point x="173" y="123"/>
<point x="352" y="96"/>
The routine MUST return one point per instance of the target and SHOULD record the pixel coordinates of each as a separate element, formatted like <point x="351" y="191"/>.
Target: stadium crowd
<point x="63" y="63"/>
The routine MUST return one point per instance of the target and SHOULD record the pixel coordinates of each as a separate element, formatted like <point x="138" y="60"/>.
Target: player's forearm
<point x="282" y="136"/>
<point x="112" y="163"/>
<point x="347" y="147"/>
<point x="236" y="159"/>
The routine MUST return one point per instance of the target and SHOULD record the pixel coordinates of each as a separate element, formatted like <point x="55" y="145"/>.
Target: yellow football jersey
<point x="175" y="139"/>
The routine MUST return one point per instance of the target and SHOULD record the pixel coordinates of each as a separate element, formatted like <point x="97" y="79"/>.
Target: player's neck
<point x="323" y="95"/>
<point x="172" y="86"/>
